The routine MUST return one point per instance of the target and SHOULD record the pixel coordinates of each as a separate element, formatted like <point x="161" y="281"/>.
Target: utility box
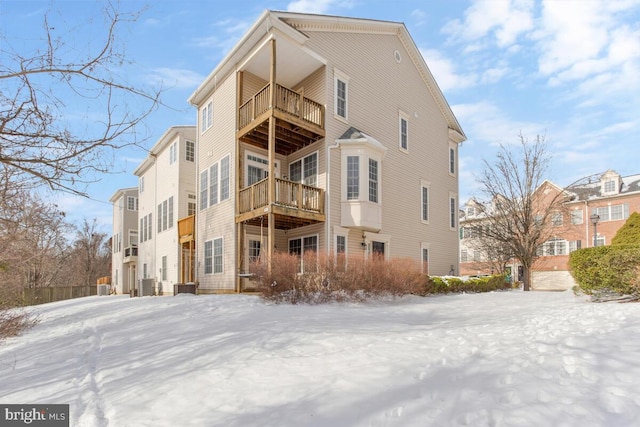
<point x="103" y="289"/>
<point x="146" y="287"/>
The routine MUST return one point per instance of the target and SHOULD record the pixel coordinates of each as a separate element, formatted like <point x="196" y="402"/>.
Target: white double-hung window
<point x="361" y="180"/>
<point x="206" y="117"/>
<point x="340" y="95"/>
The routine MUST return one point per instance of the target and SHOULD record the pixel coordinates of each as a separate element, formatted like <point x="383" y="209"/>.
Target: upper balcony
<point x="130" y="254"/>
<point x="295" y="204"/>
<point x="299" y="120"/>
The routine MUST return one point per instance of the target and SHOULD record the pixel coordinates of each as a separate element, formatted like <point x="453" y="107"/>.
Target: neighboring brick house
<point x="609" y="197"/>
<point x="167" y="192"/>
<point x="124" y="240"/>
<point x="323" y="133"/>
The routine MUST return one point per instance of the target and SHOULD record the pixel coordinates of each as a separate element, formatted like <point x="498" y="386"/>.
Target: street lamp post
<point x="595" y="218"/>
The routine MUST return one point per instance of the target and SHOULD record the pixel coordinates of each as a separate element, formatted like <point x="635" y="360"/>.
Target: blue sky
<point x="567" y="69"/>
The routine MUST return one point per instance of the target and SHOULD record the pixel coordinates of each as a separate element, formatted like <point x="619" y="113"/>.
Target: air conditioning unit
<point x="103" y="289"/>
<point x="146" y="287"/>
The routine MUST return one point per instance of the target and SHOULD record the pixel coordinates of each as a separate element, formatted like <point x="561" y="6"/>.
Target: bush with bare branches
<point x="15" y="321"/>
<point x="320" y="278"/>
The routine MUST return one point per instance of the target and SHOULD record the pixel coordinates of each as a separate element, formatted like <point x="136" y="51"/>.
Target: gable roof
<point x="290" y="27"/>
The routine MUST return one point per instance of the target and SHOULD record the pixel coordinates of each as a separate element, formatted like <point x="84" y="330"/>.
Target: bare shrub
<point x="14" y="322"/>
<point x="319" y="278"/>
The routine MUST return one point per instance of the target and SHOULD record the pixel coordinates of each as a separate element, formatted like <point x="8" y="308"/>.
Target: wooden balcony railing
<point x="287" y="101"/>
<point x="186" y="228"/>
<point x="288" y="194"/>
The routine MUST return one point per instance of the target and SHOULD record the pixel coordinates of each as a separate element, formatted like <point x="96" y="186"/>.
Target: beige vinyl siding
<point x="219" y="220"/>
<point x="251" y="84"/>
<point x="314" y="86"/>
<point x="378" y="89"/>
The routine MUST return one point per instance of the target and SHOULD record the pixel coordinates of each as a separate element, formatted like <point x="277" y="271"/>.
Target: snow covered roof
<point x="591" y="187"/>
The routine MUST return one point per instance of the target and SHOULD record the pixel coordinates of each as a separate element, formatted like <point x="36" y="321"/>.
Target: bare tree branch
<point x="42" y="100"/>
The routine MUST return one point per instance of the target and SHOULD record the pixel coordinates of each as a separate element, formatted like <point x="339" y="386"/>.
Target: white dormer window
<point x="610" y="186"/>
<point x="610" y="183"/>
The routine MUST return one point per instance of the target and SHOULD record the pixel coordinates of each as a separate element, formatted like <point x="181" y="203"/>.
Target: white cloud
<point x="494" y="75"/>
<point x="419" y="15"/>
<point x="504" y="20"/>
<point x="578" y="39"/>
<point x="443" y="69"/>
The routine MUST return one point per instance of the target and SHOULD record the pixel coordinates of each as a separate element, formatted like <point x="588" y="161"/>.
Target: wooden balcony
<point x="296" y="204"/>
<point x="187" y="229"/>
<point x="299" y="120"/>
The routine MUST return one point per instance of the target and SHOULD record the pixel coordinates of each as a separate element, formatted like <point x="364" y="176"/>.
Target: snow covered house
<point x="322" y="133"/>
<point x="167" y="192"/>
<point x="124" y="240"/>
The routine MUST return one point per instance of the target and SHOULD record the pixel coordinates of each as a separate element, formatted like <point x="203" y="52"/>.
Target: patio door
<point x="257" y="168"/>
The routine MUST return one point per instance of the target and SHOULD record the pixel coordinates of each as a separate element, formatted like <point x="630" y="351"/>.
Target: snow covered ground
<point x="497" y="359"/>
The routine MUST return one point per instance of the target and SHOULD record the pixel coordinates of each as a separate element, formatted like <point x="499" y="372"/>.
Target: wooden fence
<point x="35" y="296"/>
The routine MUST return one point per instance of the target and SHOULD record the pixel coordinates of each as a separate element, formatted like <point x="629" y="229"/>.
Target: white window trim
<point x="302" y="172"/>
<point x="453" y="196"/>
<point x="203" y="203"/>
<point x="377" y="237"/>
<point x="213" y="256"/>
<point x="263" y="246"/>
<point x="173" y="155"/>
<point x="427" y="185"/>
<point x="344" y="232"/>
<point x="453" y="151"/>
<point x="403" y="116"/>
<point x="188" y="143"/>
<point x="132" y="233"/>
<point x="219" y="198"/>
<point x="363" y="176"/>
<point x="301" y="238"/>
<point x="134" y="200"/>
<point x="577" y="219"/>
<point x="206" y="117"/>
<point x="339" y="75"/>
<point x="423" y="246"/>
<point x="249" y="162"/>
<point x="221" y="255"/>
<point x="164" y="267"/>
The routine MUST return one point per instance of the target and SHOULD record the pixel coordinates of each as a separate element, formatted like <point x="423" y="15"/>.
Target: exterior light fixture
<point x="595" y="218"/>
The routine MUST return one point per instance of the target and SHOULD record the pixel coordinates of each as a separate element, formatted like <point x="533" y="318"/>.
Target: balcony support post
<point x="272" y="158"/>
<point x="240" y="257"/>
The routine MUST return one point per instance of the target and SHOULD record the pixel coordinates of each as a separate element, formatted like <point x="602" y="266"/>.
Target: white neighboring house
<point x="167" y="191"/>
<point x="124" y="240"/>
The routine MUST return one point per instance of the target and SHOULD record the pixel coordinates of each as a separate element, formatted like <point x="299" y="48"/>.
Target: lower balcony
<point x="295" y="204"/>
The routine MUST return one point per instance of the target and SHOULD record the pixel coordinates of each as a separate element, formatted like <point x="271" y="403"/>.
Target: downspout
<point x="154" y="210"/>
<point x="586" y="222"/>
<point x="327" y="192"/>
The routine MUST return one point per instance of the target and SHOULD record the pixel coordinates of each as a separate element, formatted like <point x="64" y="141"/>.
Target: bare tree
<point x="44" y="89"/>
<point x="519" y="212"/>
<point x="33" y="242"/>
<point x="90" y="255"/>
